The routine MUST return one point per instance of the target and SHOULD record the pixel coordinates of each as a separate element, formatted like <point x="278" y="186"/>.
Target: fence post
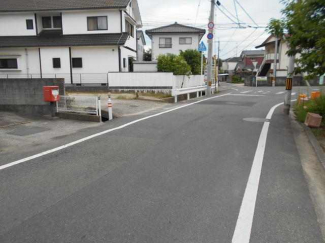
<point x="188" y="96"/>
<point x="57" y="107"/>
<point x="110" y="108"/>
<point x="107" y="80"/>
<point x="97" y="112"/>
<point x="100" y="108"/>
<point x="80" y="78"/>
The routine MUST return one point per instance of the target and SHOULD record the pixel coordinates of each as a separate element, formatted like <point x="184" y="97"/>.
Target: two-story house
<point x="248" y="60"/>
<point x="67" y="38"/>
<point x="267" y="67"/>
<point x="174" y="38"/>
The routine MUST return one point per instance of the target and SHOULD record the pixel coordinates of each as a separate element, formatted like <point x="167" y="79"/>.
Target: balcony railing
<point x="270" y="56"/>
<point x="165" y="45"/>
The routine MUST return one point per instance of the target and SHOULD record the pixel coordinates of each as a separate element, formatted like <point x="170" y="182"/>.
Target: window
<point x="11" y="63"/>
<point x="97" y="23"/>
<point x="129" y="28"/>
<point x="124" y="62"/>
<point x="165" y="43"/>
<point x="185" y="40"/>
<point x="47" y="22"/>
<point x="57" y="22"/>
<point x="56" y="63"/>
<point x="29" y="24"/>
<point x="77" y="62"/>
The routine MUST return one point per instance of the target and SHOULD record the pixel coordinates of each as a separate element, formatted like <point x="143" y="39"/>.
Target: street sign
<point x="202" y="47"/>
<point x="211" y="25"/>
<point x="210" y="36"/>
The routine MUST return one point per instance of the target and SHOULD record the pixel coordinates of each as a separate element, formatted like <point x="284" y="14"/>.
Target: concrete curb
<point x="313" y="141"/>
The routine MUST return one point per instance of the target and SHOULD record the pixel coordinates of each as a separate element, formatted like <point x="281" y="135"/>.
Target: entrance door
<point x="130" y="64"/>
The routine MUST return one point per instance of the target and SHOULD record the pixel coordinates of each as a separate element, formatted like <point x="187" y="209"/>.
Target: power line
<point x="197" y="12"/>
<point x="239" y="45"/>
<point x="246" y="13"/>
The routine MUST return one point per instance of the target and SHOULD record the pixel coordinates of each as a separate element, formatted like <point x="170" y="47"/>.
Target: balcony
<point x="165" y="45"/>
<point x="270" y="57"/>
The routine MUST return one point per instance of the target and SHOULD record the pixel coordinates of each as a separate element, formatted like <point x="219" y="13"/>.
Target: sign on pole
<point x="210" y="36"/>
<point x="211" y="25"/>
<point x="202" y="47"/>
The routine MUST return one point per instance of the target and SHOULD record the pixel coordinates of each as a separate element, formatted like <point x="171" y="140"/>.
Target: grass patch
<point x="313" y="106"/>
<point x="237" y="80"/>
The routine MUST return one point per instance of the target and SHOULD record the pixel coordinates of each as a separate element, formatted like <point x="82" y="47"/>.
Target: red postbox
<point x="51" y="93"/>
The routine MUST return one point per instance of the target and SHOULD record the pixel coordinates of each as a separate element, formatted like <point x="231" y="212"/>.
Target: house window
<point x="47" y="22"/>
<point x="129" y="28"/>
<point x="185" y="40"/>
<point x="29" y="24"/>
<point x="57" y="22"/>
<point x="56" y="63"/>
<point x="165" y="43"/>
<point x="124" y="62"/>
<point x="10" y="63"/>
<point x="97" y="23"/>
<point x="77" y="62"/>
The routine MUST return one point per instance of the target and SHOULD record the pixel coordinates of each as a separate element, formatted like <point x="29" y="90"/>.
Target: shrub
<point x="193" y="58"/>
<point x="174" y="64"/>
<point x="314" y="106"/>
<point x="236" y="79"/>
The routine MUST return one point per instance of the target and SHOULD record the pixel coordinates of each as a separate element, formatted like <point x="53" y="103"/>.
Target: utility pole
<point x="287" y="99"/>
<point x="275" y="61"/>
<point x="218" y="68"/>
<point x="210" y="47"/>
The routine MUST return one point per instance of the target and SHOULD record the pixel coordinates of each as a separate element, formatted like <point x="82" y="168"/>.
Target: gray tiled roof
<point x="253" y="53"/>
<point x="43" y="5"/>
<point x="233" y="59"/>
<point x="64" y="40"/>
<point x="175" y="28"/>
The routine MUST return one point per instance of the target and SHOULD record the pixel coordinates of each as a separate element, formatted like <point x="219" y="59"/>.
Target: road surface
<point x="209" y="170"/>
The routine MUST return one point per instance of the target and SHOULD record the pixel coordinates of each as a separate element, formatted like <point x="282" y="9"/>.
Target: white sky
<point x="157" y="13"/>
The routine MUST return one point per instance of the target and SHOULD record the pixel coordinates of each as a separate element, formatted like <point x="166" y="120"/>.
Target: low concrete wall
<point x="145" y="66"/>
<point x="26" y="95"/>
<point x="280" y="81"/>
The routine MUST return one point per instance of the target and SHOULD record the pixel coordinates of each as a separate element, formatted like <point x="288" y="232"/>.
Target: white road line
<point x="244" y="223"/>
<point x="293" y="94"/>
<point x="260" y="91"/>
<point x="245" y="92"/>
<point x="234" y="89"/>
<point x="282" y="92"/>
<point x="249" y="95"/>
<point x="100" y="134"/>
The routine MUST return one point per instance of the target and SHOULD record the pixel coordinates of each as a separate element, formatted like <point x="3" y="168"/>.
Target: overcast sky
<point x="157" y="13"/>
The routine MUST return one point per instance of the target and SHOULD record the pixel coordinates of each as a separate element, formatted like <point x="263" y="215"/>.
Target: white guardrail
<point x="198" y="90"/>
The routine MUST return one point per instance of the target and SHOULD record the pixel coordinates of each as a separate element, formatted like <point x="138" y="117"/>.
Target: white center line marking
<point x="245" y="92"/>
<point x="100" y="134"/>
<point x="293" y="94"/>
<point x="244" y="223"/>
<point x="282" y="92"/>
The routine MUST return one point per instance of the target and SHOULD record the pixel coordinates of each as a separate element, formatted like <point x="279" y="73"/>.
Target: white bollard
<point x="188" y="96"/>
<point x="110" y="108"/>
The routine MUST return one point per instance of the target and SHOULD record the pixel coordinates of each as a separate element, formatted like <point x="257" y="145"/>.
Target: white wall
<point x="141" y="79"/>
<point x="14" y="24"/>
<point x="47" y="55"/>
<point x="140" y="50"/>
<point x="145" y="67"/>
<point x="27" y="64"/>
<point x="76" y="22"/>
<point x="176" y="47"/>
<point x="189" y="81"/>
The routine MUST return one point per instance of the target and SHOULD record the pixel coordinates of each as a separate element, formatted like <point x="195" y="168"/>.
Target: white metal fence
<point x="80" y="104"/>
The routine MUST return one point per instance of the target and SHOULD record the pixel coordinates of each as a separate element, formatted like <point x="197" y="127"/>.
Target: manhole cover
<point x="254" y="119"/>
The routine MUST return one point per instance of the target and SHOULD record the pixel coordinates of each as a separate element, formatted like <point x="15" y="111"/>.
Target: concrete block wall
<point x="26" y="95"/>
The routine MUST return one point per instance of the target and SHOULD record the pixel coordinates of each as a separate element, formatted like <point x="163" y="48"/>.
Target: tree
<point x="147" y="56"/>
<point x="304" y="23"/>
<point x="174" y="64"/>
<point x="193" y="58"/>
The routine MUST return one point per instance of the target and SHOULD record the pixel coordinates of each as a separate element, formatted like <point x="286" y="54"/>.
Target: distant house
<point x="266" y="68"/>
<point x="141" y="42"/>
<point x="174" y="38"/>
<point x="229" y="65"/>
<point x="68" y="38"/>
<point x="248" y="58"/>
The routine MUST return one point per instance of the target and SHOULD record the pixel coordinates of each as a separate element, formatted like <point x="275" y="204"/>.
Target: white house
<point x="174" y="38"/>
<point x="67" y="38"/>
<point x="141" y="42"/>
<point x="229" y="65"/>
<point x="266" y="68"/>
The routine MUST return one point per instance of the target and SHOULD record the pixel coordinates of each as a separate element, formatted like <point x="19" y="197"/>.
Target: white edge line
<point x="244" y="223"/>
<point x="100" y="134"/>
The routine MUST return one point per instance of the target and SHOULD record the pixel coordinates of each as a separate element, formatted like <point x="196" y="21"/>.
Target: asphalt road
<point x="177" y="177"/>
